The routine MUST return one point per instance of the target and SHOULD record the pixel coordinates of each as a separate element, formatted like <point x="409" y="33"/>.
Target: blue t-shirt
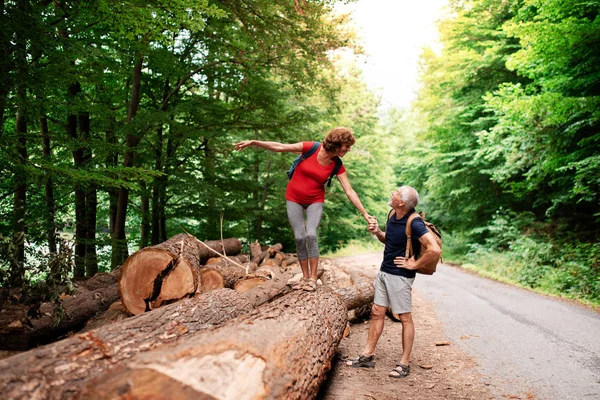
<point x="395" y="243"/>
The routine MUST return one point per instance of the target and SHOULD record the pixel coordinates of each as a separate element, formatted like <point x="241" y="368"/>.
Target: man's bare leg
<point x="375" y="329"/>
<point x="408" y="336"/>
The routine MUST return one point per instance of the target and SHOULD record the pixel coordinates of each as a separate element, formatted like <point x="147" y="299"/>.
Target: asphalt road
<point x="525" y="343"/>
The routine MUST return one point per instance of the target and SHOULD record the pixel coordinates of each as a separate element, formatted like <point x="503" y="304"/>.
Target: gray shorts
<point x="393" y="291"/>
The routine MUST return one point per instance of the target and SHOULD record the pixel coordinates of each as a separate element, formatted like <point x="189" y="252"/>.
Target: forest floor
<point x="439" y="370"/>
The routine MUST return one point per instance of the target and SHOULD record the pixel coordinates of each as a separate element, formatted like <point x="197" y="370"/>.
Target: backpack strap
<point x="311" y="151"/>
<point x="336" y="169"/>
<point x="409" y="250"/>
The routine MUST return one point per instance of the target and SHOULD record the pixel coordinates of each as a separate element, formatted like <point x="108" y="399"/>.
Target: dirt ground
<point x="437" y="371"/>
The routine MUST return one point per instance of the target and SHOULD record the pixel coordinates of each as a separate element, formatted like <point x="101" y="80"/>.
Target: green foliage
<point x="504" y="139"/>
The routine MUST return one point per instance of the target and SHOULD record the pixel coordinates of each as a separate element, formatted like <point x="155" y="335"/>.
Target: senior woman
<point x="305" y="193"/>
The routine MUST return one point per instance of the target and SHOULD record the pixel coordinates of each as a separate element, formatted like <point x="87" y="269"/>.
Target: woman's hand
<point x="243" y="144"/>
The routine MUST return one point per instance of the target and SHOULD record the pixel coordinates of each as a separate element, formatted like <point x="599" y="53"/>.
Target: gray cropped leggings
<point x="305" y="232"/>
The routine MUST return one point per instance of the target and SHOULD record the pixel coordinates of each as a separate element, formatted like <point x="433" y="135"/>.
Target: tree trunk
<point x="158" y="166"/>
<point x="281" y="350"/>
<point x="145" y="211"/>
<point x="90" y="199"/>
<point x="80" y="219"/>
<point x="112" y="160"/>
<point x="166" y="272"/>
<point x="57" y="371"/>
<point x="20" y="330"/>
<point x="357" y="295"/>
<point x="20" y="199"/>
<point x="48" y="187"/>
<point x="119" y="239"/>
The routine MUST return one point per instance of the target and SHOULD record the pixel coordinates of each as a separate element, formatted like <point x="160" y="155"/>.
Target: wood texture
<point x="167" y="272"/>
<point x="58" y="370"/>
<point x="22" y="329"/>
<point x="282" y="350"/>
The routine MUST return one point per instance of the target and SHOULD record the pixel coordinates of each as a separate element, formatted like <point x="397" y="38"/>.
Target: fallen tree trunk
<point x="167" y="272"/>
<point x="22" y="329"/>
<point x="281" y="350"/>
<point x="58" y="370"/>
<point x="115" y="313"/>
<point x="357" y="295"/>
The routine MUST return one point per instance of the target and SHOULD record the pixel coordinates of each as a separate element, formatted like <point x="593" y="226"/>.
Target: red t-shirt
<point x="307" y="185"/>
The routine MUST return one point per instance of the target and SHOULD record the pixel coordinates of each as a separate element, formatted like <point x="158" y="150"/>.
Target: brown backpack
<point x="429" y="268"/>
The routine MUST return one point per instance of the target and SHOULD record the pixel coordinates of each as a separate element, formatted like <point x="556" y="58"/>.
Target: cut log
<point x="22" y="329"/>
<point x="231" y="274"/>
<point x="268" y="252"/>
<point x="282" y="350"/>
<point x="209" y="279"/>
<point x="267" y="271"/>
<point x="248" y="283"/>
<point x="288" y="261"/>
<point x="358" y="295"/>
<point x="58" y="370"/>
<point x="255" y="250"/>
<point x="274" y="249"/>
<point x="115" y="313"/>
<point x="165" y="273"/>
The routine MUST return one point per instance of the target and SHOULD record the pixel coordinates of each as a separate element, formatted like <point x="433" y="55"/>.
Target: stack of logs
<point x="149" y="337"/>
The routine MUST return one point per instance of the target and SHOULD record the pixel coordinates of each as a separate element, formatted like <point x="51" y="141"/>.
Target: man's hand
<point x="402" y="262"/>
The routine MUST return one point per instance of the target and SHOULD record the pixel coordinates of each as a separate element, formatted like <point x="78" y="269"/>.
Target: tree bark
<point x="17" y="271"/>
<point x="48" y="187"/>
<point x="80" y="208"/>
<point x="119" y="239"/>
<point x="112" y="160"/>
<point x="21" y="330"/>
<point x="145" y="212"/>
<point x="156" y="188"/>
<point x="90" y="199"/>
<point x="166" y="272"/>
<point x="357" y="295"/>
<point x="57" y="371"/>
<point x="281" y="350"/>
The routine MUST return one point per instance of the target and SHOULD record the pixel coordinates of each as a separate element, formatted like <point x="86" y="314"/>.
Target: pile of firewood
<point x="146" y="333"/>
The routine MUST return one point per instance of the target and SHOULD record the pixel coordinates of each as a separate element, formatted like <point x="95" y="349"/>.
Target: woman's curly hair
<point x="337" y="138"/>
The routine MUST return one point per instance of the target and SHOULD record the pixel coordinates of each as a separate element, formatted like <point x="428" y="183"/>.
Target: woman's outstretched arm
<point x="352" y="196"/>
<point x="273" y="146"/>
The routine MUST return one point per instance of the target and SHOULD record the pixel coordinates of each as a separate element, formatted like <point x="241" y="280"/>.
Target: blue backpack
<point x="310" y="152"/>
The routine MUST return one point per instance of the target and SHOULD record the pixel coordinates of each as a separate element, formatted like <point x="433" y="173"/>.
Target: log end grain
<point x="150" y="270"/>
<point x="209" y="279"/>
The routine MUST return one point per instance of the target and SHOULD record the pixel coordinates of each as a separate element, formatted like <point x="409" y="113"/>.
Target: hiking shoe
<point x="400" y="371"/>
<point x="362" y="361"/>
<point x="310" y="285"/>
<point x="300" y="284"/>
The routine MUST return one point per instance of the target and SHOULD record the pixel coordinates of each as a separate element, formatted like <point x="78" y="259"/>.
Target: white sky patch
<point x="394" y="33"/>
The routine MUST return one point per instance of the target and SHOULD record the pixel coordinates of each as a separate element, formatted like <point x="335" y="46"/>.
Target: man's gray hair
<point x="410" y="196"/>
